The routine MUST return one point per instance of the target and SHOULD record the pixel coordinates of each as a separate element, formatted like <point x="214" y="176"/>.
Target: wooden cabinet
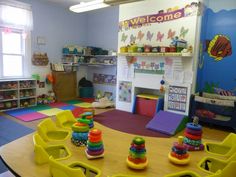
<point x="65" y="85"/>
<point x="17" y="93"/>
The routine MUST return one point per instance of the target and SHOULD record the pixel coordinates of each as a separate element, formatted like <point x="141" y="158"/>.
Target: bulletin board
<point x="177" y="98"/>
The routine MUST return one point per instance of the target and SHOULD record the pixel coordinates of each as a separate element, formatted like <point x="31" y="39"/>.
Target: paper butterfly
<point x="171" y="34"/>
<point x="149" y="35"/>
<point x="183" y="32"/>
<point x="160" y="36"/>
<point x="140" y="35"/>
<point x="168" y="61"/>
<point x="132" y="39"/>
<point x="123" y="37"/>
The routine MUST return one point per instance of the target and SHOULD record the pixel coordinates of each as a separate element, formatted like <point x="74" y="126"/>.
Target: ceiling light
<point x="88" y="6"/>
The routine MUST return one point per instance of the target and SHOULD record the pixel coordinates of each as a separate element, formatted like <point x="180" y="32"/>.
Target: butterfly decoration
<point x="140" y="35"/>
<point x="149" y="35"/>
<point x="168" y="61"/>
<point x="171" y="34"/>
<point x="160" y="36"/>
<point x="123" y="37"/>
<point x="132" y="39"/>
<point x="183" y="32"/>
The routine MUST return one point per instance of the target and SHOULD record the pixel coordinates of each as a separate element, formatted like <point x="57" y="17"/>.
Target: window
<point x="15" y="25"/>
<point x="12" y="54"/>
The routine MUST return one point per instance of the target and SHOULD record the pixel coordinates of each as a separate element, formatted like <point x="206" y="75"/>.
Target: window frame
<point x="23" y="53"/>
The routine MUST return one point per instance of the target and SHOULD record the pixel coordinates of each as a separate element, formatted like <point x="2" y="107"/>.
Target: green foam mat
<point x="74" y="101"/>
<point x="40" y="107"/>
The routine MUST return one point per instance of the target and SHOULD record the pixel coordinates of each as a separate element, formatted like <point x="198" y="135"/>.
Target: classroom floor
<point x="212" y="133"/>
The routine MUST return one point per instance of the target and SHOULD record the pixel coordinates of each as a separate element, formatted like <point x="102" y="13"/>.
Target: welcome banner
<point x="160" y="17"/>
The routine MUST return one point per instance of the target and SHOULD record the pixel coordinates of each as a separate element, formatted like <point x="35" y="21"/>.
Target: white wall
<point x="129" y="11"/>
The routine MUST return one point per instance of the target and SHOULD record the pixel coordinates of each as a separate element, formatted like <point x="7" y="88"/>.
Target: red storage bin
<point x="146" y="106"/>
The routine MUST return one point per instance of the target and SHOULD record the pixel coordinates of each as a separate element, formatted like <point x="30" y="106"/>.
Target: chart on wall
<point x="177" y="99"/>
<point x="125" y="89"/>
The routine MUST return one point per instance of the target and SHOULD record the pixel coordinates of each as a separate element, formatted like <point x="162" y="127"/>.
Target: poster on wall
<point x="125" y="89"/>
<point x="177" y="99"/>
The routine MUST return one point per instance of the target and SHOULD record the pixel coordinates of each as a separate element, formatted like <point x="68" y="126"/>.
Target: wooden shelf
<point x="169" y="54"/>
<point x="23" y="85"/>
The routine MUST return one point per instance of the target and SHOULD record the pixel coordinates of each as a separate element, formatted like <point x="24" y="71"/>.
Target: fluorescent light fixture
<point x="88" y="6"/>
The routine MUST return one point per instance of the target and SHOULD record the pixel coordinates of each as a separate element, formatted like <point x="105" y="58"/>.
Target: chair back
<point x="45" y="126"/>
<point x="58" y="169"/>
<point x="40" y="154"/>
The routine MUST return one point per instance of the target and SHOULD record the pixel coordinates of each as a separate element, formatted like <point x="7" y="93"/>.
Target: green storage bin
<point x="86" y="92"/>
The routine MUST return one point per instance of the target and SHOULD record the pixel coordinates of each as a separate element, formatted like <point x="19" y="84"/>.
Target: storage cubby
<point x="214" y="109"/>
<point x="17" y="93"/>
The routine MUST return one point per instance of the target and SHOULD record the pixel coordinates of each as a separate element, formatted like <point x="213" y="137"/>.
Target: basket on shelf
<point x="40" y="59"/>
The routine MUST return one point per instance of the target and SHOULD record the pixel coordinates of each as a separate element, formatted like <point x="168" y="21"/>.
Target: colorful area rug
<point x="42" y="111"/>
<point x="127" y="122"/>
<point x="10" y="131"/>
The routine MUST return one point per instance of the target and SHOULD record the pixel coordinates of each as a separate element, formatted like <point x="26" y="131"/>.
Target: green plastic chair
<point x="226" y="148"/>
<point x="212" y="165"/>
<point x="50" y="132"/>
<point x="228" y="171"/>
<point x="183" y="174"/>
<point x="75" y="169"/>
<point x="42" y="151"/>
<point x="65" y="119"/>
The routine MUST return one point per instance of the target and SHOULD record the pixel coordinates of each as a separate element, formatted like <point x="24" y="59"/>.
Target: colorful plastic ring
<point x="193" y="126"/>
<point x="193" y="132"/>
<point x="133" y="149"/>
<point x="136" y="166"/>
<point x="95" y="148"/>
<point x="192" y="142"/>
<point x="94" y="140"/>
<point x="94" y="153"/>
<point x="95" y="144"/>
<point x="192" y="137"/>
<point x="95" y="132"/>
<point x="195" y="148"/>
<point x="138" y="140"/>
<point x="179" y="146"/>
<point x="137" y="160"/>
<point x="80" y="128"/>
<point x="181" y="152"/>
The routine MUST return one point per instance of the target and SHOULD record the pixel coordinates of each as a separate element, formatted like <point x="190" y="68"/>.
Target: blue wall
<point x="58" y="25"/>
<point x="102" y="28"/>
<point x="216" y="75"/>
<point x="102" y="31"/>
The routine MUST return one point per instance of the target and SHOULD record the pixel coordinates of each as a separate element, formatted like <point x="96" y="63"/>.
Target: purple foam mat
<point x="18" y="112"/>
<point x="165" y="122"/>
<point x="31" y="116"/>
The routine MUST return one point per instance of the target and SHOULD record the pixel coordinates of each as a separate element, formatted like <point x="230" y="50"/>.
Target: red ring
<point x="192" y="137"/>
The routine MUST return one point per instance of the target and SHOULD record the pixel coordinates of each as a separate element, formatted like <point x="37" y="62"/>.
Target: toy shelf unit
<point x="88" y="56"/>
<point x="214" y="109"/>
<point x="16" y="93"/>
<point x="99" y="61"/>
<point x="170" y="54"/>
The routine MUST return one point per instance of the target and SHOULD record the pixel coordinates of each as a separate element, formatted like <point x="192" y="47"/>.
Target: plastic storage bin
<point x="147" y="105"/>
<point x="86" y="92"/>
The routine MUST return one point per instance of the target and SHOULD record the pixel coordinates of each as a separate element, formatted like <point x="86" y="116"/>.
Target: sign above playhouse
<point x="160" y="17"/>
